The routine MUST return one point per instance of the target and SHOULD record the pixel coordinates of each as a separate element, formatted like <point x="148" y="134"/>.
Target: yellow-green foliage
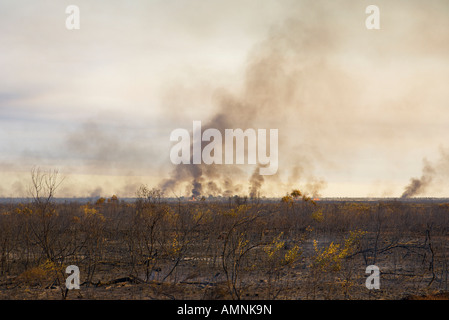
<point x="92" y="214"/>
<point x="202" y="215"/>
<point x="175" y="246"/>
<point x="292" y="255"/>
<point x="318" y="216"/>
<point x="240" y="210"/>
<point x="330" y="258"/>
<point x="276" y="245"/>
<point x="357" y="208"/>
<point x="39" y="275"/>
<point x="288" y="200"/>
<point x="24" y="210"/>
<point x="351" y="242"/>
<point x="242" y="244"/>
<point x="296" y="193"/>
<point x="100" y="201"/>
<point x="326" y="259"/>
<point x="274" y="252"/>
<point x="170" y="216"/>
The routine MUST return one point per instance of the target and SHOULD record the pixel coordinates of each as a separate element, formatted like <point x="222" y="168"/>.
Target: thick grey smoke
<point x="271" y="99"/>
<point x="419" y="186"/>
<point x="433" y="175"/>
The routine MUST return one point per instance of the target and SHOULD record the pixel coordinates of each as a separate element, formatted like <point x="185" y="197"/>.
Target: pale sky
<point x="365" y="107"/>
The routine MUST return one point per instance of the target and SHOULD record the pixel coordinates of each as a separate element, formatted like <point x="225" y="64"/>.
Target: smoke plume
<point x="274" y="81"/>
<point x="419" y="185"/>
<point x="433" y="175"/>
<point x="256" y="182"/>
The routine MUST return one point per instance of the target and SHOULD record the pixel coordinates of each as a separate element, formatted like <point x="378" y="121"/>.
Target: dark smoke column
<point x="419" y="186"/>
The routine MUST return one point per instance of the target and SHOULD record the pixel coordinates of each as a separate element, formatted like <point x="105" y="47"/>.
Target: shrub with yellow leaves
<point x="292" y="255"/>
<point x="92" y="214"/>
<point x="318" y="216"/>
<point x="276" y="245"/>
<point x="235" y="212"/>
<point x="330" y="258"/>
<point x="276" y="254"/>
<point x="39" y="275"/>
<point x="175" y="247"/>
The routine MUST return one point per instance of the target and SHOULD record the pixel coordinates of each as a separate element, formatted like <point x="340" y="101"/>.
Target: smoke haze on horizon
<point x="357" y="110"/>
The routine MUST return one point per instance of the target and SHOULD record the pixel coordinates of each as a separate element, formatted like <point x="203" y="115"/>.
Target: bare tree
<point x="48" y="229"/>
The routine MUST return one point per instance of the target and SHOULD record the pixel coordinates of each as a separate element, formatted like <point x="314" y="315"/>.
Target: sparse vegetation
<point x="293" y="248"/>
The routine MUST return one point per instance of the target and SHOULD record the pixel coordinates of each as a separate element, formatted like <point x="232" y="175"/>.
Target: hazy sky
<point x="357" y="110"/>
